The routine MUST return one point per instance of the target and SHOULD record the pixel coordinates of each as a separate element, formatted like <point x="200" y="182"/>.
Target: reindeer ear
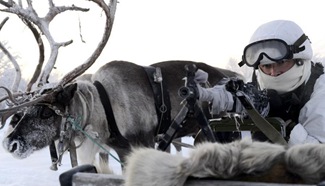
<point x="66" y="94"/>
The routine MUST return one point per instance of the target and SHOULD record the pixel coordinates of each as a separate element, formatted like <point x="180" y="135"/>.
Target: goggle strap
<point x="240" y="64"/>
<point x="296" y="46"/>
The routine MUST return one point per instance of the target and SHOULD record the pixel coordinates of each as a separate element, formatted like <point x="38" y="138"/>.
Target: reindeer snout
<point x="13" y="146"/>
<point x="10" y="146"/>
<point x="16" y="148"/>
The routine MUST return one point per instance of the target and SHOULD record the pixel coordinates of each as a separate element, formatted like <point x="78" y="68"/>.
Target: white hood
<point x="287" y="31"/>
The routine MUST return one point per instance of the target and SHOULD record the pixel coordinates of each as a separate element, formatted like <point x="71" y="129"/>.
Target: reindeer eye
<point x="46" y="113"/>
<point x="15" y="118"/>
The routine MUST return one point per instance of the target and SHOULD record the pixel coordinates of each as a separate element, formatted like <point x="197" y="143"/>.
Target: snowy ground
<point x="35" y="171"/>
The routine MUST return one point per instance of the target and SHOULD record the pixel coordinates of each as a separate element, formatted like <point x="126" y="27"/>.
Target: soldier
<point x="281" y="55"/>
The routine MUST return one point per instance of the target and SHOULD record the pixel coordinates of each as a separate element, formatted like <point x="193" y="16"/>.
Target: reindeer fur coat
<point x="243" y="160"/>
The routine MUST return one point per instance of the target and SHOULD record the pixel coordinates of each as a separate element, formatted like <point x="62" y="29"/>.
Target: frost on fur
<point x="307" y="160"/>
<point x="228" y="160"/>
<point x="149" y="167"/>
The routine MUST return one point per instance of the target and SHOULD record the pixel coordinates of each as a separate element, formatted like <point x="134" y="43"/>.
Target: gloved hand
<point x="201" y="76"/>
<point x="299" y="135"/>
<point x="221" y="99"/>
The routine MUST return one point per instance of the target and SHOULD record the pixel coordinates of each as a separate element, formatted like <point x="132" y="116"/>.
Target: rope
<point x="77" y="126"/>
<point x="183" y="144"/>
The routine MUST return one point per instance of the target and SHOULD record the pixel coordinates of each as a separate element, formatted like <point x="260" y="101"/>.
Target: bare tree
<point x="318" y="58"/>
<point x="245" y="71"/>
<point x="8" y="75"/>
<point x="15" y="85"/>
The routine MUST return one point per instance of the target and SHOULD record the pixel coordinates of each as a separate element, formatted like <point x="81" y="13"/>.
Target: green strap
<point x="265" y="127"/>
<point x="76" y="125"/>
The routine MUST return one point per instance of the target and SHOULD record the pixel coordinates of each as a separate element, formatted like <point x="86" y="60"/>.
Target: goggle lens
<point x="274" y="50"/>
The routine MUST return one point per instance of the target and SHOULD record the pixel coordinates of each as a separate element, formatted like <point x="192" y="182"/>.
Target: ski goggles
<point x="270" y="50"/>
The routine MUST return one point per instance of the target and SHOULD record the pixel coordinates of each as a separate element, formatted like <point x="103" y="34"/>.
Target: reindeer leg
<point x="178" y="145"/>
<point x="73" y="154"/>
<point x="103" y="158"/>
<point x="104" y="163"/>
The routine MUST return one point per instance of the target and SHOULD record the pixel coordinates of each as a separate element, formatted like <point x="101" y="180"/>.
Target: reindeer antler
<point x="109" y="12"/>
<point x="38" y="38"/>
<point x="10" y="95"/>
<point x="30" y="16"/>
<point x="41" y="59"/>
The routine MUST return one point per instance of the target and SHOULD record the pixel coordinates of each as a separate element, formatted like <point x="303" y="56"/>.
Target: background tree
<point x="318" y="58"/>
<point x="245" y="71"/>
<point x="8" y="73"/>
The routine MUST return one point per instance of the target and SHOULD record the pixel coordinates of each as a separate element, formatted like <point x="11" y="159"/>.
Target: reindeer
<point x="132" y="103"/>
<point x="115" y="108"/>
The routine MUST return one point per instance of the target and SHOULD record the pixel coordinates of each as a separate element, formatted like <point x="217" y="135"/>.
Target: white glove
<point x="201" y="76"/>
<point x="221" y="99"/>
<point x="299" y="135"/>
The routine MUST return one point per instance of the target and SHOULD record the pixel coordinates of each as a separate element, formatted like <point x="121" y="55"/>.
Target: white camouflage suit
<point x="311" y="120"/>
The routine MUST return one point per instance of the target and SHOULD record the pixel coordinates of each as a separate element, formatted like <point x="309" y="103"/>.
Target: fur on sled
<point x="243" y="160"/>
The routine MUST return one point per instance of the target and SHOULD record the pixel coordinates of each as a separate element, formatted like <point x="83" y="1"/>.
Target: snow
<point x="35" y="169"/>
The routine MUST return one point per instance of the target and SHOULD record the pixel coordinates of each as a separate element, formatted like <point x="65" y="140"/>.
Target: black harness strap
<point x="115" y="133"/>
<point x="162" y="100"/>
<point x="317" y="69"/>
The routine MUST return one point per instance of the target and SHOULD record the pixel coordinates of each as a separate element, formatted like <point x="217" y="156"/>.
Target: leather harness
<point x="115" y="133"/>
<point x="161" y="96"/>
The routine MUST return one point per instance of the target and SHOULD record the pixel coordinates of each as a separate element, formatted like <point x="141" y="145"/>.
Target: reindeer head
<point x="36" y="126"/>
